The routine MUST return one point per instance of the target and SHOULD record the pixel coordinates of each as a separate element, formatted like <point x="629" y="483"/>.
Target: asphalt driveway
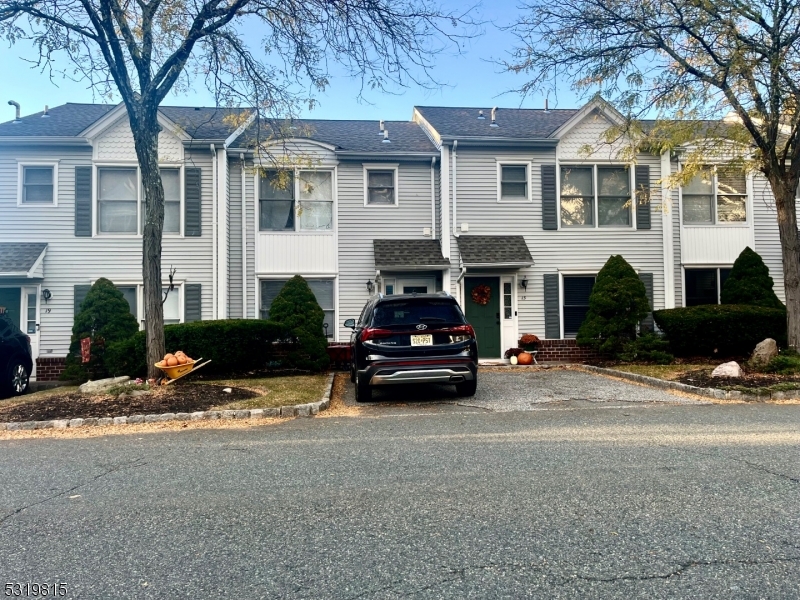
<point x="650" y="500"/>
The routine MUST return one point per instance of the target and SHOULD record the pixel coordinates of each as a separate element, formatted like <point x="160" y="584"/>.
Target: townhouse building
<point x="453" y="199"/>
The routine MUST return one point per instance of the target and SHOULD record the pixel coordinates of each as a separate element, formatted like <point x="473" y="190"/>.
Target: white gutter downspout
<point x="214" y="231"/>
<point x="455" y="188"/>
<point x="244" y="239"/>
<point x="667" y="231"/>
<point x="433" y="198"/>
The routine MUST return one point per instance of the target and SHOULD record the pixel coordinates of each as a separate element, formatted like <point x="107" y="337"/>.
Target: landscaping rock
<point x="27" y="425"/>
<point x="315" y="408"/>
<point x="765" y="351"/>
<point x="257" y="412"/>
<point x="152" y="418"/>
<point x="135" y="419"/>
<point x="12" y="426"/>
<point x="728" y="369"/>
<point x="75" y="423"/>
<point x="167" y="417"/>
<point x="271" y="413"/>
<point x="137" y="393"/>
<point x="44" y="425"/>
<point x="101" y="385"/>
<point x="60" y="423"/>
<point x="105" y="421"/>
<point x="241" y="414"/>
<point x="3" y="426"/>
<point x="196" y="416"/>
<point x="90" y="422"/>
<point x="212" y="414"/>
<point x="303" y="410"/>
<point x="121" y="420"/>
<point x="182" y="416"/>
<point x="228" y="414"/>
<point x="227" y="390"/>
<point x="288" y="411"/>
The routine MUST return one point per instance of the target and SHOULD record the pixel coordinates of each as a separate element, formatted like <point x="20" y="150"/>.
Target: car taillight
<point x="371" y="333"/>
<point x="461" y="333"/>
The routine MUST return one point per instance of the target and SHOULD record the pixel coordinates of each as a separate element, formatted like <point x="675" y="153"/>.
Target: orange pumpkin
<point x="172" y="361"/>
<point x="181" y="358"/>
<point x="524" y="359"/>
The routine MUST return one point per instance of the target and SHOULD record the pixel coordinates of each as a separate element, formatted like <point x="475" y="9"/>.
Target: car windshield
<point x="411" y="312"/>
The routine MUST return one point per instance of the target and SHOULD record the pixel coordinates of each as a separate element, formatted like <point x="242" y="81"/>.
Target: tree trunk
<point x="145" y="134"/>
<point x="785" y="194"/>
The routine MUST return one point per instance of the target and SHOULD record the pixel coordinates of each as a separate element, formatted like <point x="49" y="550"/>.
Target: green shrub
<point x="616" y="305"/>
<point x="721" y="329"/>
<point x="784" y="364"/>
<point x="750" y="283"/>
<point x="647" y="348"/>
<point x="106" y="317"/>
<point x="297" y="311"/>
<point x="235" y="346"/>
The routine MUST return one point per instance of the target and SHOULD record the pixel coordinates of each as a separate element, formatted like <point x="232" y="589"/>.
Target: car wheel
<point x="18" y="378"/>
<point x="467" y="388"/>
<point x="363" y="391"/>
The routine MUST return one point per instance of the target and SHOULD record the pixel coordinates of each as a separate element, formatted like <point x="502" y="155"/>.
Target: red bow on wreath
<point x="481" y="294"/>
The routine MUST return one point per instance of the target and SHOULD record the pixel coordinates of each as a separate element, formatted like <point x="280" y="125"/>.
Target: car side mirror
<point x="351" y="323"/>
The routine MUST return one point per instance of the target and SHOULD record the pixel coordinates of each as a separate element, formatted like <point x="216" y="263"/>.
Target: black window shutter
<point x="647" y="323"/>
<point x="83" y="201"/>
<point x="80" y="296"/>
<point x="192" y="302"/>
<point x="549" y="200"/>
<point x="642" y="197"/>
<point x="191" y="203"/>
<point x="552" y="325"/>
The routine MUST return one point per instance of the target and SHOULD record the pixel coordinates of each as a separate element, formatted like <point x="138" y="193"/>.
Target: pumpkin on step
<point x="525" y="358"/>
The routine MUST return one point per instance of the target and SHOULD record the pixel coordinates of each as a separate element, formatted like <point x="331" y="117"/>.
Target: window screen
<point x="315" y="206"/>
<point x="613" y="196"/>
<point x="577" y="196"/>
<point x="37" y="185"/>
<point x="577" y="290"/>
<point x="118" y="200"/>
<point x="276" y="201"/>
<point x="380" y="187"/>
<point x="171" y="180"/>
<point x="514" y="182"/>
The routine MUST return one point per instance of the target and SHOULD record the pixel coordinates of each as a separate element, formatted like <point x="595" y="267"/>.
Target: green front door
<point x="484" y="318"/>
<point x="10" y="299"/>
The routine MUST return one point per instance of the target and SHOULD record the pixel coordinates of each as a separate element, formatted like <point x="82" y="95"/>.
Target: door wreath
<point x="481" y="294"/>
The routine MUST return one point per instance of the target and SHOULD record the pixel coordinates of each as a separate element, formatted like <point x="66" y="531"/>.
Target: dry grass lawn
<point x="275" y="391"/>
<point x="668" y="372"/>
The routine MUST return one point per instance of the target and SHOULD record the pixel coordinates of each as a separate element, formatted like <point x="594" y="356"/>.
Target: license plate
<point x="422" y="340"/>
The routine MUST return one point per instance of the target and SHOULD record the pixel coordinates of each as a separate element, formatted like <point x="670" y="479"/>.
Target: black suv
<point x="417" y="338"/>
<point x="16" y="363"/>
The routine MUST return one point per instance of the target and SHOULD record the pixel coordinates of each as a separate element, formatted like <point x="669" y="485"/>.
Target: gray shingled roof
<point x="67" y="120"/>
<point x="351" y="136"/>
<point x="19" y="258"/>
<point x="408" y="253"/>
<point x="513" y="123"/>
<point x="494" y="250"/>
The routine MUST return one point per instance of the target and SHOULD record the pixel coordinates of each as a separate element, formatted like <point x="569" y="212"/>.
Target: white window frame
<point x="21" y="182"/>
<point x="703" y="267"/>
<point x="563" y="274"/>
<point x="596" y="202"/>
<point x="381" y="167"/>
<point x="510" y="162"/>
<point x="296" y="188"/>
<point x="748" y="203"/>
<point x="334" y="335"/>
<point x="96" y="167"/>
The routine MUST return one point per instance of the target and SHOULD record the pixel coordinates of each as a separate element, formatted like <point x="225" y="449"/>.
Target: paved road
<point x="639" y="501"/>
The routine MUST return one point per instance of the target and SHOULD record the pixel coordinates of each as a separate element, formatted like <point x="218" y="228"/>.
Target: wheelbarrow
<point x="179" y="371"/>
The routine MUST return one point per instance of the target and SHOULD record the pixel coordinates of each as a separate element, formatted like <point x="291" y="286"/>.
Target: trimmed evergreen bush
<point x="750" y="283"/>
<point x="647" y="348"/>
<point x="235" y="346"/>
<point x="106" y="317"/>
<point x="297" y="311"/>
<point x="616" y="305"/>
<point x="720" y="329"/>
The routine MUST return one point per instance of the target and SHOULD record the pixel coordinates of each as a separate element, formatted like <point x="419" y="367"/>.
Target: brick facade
<point x="564" y="351"/>
<point x="49" y="369"/>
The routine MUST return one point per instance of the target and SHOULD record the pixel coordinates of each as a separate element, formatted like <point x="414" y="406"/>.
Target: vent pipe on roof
<point x="382" y="127"/>
<point x="15" y="104"/>
<point x="480" y="115"/>
<point x="45" y="113"/>
<point x="386" y="139"/>
<point x="546" y="105"/>
<point x="494" y="120"/>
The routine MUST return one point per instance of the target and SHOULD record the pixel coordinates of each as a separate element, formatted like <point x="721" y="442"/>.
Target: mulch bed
<point x="702" y="378"/>
<point x="185" y="397"/>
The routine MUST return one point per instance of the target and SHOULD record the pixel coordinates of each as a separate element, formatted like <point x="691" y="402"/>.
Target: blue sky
<point x="470" y="79"/>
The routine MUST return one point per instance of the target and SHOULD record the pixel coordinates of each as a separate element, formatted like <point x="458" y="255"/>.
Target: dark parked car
<point x="417" y="338"/>
<point x="16" y="363"/>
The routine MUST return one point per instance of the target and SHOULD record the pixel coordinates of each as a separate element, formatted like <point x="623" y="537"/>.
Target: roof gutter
<point x="44" y="140"/>
<point x="501" y="141"/>
<point x="413" y="267"/>
<point x="498" y="265"/>
<point x="426" y="156"/>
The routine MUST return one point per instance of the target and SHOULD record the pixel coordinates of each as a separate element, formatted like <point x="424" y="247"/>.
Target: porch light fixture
<point x="46" y="295"/>
<point x="524" y="283"/>
<point x="370" y="286"/>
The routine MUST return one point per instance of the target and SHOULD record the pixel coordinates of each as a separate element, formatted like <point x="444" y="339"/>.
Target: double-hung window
<point x="513" y="182"/>
<point x="595" y="196"/>
<point x="171" y="180"/>
<point x="296" y="202"/>
<point x="577" y="290"/>
<point x="323" y="292"/>
<point x="117" y="200"/>
<point x="704" y="286"/>
<point x="381" y="186"/>
<point x="715" y="196"/>
<point x="37" y="185"/>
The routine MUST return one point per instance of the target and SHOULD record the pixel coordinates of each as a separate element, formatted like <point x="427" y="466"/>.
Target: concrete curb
<point x="296" y="410"/>
<point x="691" y="389"/>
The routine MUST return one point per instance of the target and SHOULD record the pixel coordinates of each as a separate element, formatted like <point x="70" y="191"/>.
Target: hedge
<point x="235" y="346"/>
<point x="720" y="329"/>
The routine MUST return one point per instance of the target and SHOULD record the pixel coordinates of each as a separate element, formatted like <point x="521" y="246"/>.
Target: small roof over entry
<point x="20" y="260"/>
<point x="494" y="251"/>
<point x="409" y="255"/>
